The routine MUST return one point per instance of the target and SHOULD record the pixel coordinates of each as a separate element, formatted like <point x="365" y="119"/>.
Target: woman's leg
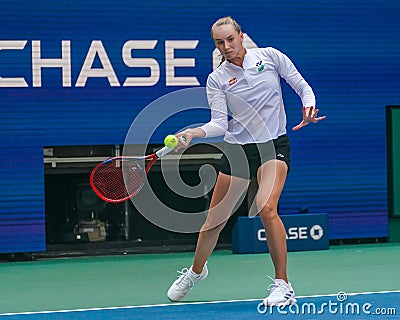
<point x="271" y="178"/>
<point x="228" y="192"/>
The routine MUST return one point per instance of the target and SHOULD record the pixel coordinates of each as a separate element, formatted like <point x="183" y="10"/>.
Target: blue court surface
<point x="376" y="305"/>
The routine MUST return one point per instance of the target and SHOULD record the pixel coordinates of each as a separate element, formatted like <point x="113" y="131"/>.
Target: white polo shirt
<point x="246" y="103"/>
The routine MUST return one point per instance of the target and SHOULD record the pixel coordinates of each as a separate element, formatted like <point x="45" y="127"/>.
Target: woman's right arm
<point x="218" y="124"/>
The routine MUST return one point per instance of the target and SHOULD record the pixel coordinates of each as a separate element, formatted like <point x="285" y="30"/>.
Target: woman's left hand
<point x="309" y="116"/>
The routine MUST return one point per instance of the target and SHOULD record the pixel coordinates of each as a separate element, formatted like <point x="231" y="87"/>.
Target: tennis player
<point x="254" y="76"/>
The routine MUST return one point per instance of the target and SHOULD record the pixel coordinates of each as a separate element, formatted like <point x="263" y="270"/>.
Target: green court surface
<point x="143" y="279"/>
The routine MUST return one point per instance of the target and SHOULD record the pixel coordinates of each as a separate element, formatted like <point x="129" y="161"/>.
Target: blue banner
<point x="303" y="232"/>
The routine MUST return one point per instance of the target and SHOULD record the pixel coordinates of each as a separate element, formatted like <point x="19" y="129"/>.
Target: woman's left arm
<point x="288" y="71"/>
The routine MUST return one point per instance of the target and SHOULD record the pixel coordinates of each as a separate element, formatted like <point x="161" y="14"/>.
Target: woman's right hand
<point x="184" y="137"/>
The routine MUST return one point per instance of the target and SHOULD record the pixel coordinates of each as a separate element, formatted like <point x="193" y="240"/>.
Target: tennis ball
<point x="171" y="141"/>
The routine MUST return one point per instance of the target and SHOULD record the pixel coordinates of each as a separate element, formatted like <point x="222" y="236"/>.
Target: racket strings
<point x="119" y="179"/>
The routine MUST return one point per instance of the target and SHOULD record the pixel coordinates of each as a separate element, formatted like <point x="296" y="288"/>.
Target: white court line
<point x="185" y="304"/>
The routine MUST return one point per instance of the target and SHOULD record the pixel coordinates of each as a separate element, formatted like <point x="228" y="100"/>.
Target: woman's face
<point x="228" y="41"/>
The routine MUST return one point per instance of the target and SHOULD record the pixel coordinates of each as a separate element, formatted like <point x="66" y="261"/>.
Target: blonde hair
<point x="224" y="21"/>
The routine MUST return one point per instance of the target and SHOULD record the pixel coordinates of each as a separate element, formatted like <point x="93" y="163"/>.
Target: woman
<point x="253" y="76"/>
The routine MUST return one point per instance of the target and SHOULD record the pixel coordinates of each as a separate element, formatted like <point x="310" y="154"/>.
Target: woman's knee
<point x="268" y="211"/>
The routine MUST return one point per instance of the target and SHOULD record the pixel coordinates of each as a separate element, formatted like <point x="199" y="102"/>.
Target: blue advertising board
<point x="79" y="72"/>
<point x="304" y="232"/>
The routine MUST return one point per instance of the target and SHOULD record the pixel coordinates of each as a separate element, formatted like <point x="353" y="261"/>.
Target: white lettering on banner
<point x="38" y="63"/>
<point x="12" y="82"/>
<point x="150" y="63"/>
<point x="171" y="63"/>
<point x="261" y="235"/>
<point x="97" y="50"/>
<point x="297" y="233"/>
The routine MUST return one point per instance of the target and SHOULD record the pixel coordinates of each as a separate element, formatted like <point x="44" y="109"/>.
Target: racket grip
<point x="163" y="151"/>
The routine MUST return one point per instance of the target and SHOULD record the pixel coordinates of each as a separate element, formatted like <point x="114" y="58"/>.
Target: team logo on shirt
<point x="232" y="81"/>
<point x="260" y="66"/>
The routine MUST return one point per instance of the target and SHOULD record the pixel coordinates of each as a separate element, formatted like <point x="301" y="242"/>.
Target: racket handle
<point x="163" y="151"/>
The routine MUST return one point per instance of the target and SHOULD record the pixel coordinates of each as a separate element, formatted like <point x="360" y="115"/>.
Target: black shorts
<point x="244" y="160"/>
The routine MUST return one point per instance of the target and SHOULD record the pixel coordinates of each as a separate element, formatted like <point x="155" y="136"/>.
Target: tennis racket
<point x="120" y="178"/>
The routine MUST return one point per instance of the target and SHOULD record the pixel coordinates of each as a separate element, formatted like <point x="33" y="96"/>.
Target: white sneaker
<point x="281" y="294"/>
<point x="185" y="282"/>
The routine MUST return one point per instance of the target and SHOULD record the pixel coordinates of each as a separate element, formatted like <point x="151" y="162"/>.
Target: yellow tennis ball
<point x="171" y="141"/>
